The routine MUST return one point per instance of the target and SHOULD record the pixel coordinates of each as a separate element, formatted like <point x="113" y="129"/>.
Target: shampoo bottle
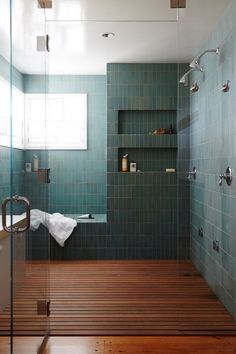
<point x="124" y="163"/>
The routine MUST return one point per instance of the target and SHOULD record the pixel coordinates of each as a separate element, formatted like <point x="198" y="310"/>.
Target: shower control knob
<point x="225" y="87"/>
<point x="192" y="173"/>
<point x="227" y="176"/>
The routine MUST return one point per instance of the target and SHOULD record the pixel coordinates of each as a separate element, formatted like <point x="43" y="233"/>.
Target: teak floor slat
<point x="127" y="345"/>
<point x="91" y="298"/>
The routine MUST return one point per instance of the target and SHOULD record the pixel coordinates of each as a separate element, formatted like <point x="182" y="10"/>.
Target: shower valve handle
<point x="227" y="176"/>
<point x="192" y="173"/>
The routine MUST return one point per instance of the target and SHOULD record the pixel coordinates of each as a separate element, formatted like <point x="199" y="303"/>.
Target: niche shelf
<point x="145" y="121"/>
<point x="150" y="159"/>
<point x="152" y="153"/>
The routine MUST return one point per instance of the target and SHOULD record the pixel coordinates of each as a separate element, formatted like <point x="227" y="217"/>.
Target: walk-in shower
<point x="159" y="256"/>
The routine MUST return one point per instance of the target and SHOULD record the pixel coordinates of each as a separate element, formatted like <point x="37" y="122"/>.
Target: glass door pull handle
<point x="15" y="199"/>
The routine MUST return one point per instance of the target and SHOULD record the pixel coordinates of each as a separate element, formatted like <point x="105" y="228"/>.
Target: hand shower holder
<point x="227" y="176"/>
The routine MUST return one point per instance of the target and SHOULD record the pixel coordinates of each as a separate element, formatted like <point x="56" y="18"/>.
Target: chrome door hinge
<point x="45" y="4"/>
<point x="178" y="4"/>
<point x="48" y="309"/>
<point x="43" y="308"/>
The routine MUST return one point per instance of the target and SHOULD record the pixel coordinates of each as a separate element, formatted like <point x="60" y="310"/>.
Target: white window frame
<point x="68" y="117"/>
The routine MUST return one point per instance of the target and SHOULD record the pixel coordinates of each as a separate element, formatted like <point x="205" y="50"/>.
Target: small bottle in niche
<point x="171" y="130"/>
<point x="133" y="166"/>
<point x="124" y="163"/>
<point x="36" y="163"/>
<point x="28" y="167"/>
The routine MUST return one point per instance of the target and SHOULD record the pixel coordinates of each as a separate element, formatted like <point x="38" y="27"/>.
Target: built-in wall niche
<point x="145" y="121"/>
<point x="150" y="159"/>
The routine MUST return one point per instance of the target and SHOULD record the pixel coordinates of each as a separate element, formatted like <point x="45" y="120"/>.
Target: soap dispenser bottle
<point x="124" y="163"/>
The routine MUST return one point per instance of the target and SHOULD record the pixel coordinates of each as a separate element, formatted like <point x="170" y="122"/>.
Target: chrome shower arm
<point x="196" y="61"/>
<point x="209" y="51"/>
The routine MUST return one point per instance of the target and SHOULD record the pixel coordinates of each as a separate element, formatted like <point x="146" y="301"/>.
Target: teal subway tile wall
<point x="142" y="206"/>
<point x="212" y="150"/>
<point x="78" y="178"/>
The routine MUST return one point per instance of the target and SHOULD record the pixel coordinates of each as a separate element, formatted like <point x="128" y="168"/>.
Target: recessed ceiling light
<point x="107" y="34"/>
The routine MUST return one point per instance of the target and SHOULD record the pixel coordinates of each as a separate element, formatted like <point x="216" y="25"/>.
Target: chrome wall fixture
<point x="45" y="4"/>
<point x="43" y="43"/>
<point x="196" y="61"/>
<point x="179" y="4"/>
<point x="227" y="176"/>
<point x="225" y="87"/>
<point x="195" y="65"/>
<point x="184" y="79"/>
<point x="194" y="88"/>
<point x="192" y="173"/>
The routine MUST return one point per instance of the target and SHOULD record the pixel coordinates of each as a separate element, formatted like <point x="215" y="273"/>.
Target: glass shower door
<point x="31" y="305"/>
<point x="5" y="316"/>
<point x="26" y="309"/>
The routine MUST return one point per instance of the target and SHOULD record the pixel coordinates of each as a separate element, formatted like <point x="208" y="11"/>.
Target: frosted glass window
<point x="56" y="121"/>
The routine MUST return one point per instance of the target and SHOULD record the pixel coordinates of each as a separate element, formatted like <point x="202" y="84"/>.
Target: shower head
<point x="184" y="79"/>
<point x="195" y="64"/>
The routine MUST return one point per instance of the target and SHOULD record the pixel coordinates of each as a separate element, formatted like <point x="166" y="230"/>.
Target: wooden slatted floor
<point x="123" y="345"/>
<point x="117" y="298"/>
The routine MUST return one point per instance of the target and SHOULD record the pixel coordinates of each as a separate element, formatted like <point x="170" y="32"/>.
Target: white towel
<point x="58" y="225"/>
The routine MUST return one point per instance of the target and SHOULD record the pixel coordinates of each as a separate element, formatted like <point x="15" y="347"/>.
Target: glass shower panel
<point x="127" y="102"/>
<point x="30" y="307"/>
<point x="5" y="185"/>
<point x="206" y="196"/>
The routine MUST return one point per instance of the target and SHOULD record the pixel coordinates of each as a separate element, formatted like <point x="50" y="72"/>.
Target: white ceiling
<point x="145" y="31"/>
